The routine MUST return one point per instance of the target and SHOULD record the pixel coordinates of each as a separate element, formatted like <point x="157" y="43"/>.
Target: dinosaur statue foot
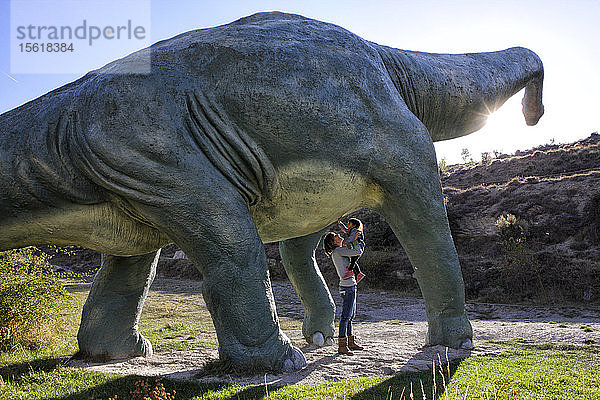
<point x="455" y="332"/>
<point x="275" y="354"/>
<point x="320" y="340"/>
<point x="291" y="359"/>
<point x="294" y="360"/>
<point x="318" y="328"/>
<point x="467" y="344"/>
<point x="129" y="345"/>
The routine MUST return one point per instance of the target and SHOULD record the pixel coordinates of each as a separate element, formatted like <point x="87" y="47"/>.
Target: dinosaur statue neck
<point x="452" y="94"/>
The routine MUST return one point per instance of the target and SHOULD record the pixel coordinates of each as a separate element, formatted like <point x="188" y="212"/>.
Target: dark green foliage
<point x="486" y="158"/>
<point x="592" y="216"/>
<point x="511" y="229"/>
<point x="31" y="297"/>
<point x="521" y="269"/>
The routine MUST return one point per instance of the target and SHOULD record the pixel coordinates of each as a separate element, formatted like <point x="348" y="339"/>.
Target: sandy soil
<point x="392" y="329"/>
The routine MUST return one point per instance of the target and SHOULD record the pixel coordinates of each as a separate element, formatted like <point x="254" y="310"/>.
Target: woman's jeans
<point x="348" y="310"/>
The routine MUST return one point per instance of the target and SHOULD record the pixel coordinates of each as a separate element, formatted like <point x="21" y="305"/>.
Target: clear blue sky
<point x="563" y="33"/>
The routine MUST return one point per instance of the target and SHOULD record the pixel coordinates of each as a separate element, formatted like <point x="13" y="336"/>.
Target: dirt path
<point x="393" y="330"/>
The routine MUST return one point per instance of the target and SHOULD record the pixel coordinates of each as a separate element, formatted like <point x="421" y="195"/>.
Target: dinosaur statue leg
<point x="419" y="220"/>
<point x="298" y="256"/>
<point x="111" y="313"/>
<point x="215" y="230"/>
<point x="413" y="205"/>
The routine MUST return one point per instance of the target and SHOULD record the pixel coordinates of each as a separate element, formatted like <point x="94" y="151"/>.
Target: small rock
<point x="416" y="366"/>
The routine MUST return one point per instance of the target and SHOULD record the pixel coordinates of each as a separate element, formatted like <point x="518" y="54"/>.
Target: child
<point x="354" y="240"/>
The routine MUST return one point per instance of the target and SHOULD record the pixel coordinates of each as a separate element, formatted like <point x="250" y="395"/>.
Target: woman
<point x="332" y="244"/>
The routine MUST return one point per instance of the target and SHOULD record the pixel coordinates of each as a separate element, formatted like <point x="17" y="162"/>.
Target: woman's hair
<point x="357" y="223"/>
<point x="328" y="243"/>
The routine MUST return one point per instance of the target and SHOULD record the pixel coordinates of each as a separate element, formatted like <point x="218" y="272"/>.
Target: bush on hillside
<point x="521" y="268"/>
<point x="511" y="229"/>
<point x="31" y="298"/>
<point x="592" y="217"/>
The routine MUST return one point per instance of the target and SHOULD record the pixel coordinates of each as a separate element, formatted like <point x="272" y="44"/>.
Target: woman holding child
<point x="342" y="252"/>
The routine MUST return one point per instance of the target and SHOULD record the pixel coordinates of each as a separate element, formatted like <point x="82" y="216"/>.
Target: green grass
<point x="536" y="371"/>
<point x="175" y="318"/>
<point x="523" y="372"/>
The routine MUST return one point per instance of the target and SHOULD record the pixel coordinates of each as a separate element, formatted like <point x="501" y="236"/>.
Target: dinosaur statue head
<point x="532" y="110"/>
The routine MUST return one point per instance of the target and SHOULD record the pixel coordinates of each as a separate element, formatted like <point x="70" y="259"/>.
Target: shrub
<point x="592" y="218"/>
<point x="442" y="167"/>
<point x="144" y="391"/>
<point x="521" y="269"/>
<point x="486" y="158"/>
<point x="31" y="298"/>
<point x="465" y="154"/>
<point x="510" y="228"/>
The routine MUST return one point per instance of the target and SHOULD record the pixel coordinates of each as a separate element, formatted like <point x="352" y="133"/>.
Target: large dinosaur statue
<point x="265" y="129"/>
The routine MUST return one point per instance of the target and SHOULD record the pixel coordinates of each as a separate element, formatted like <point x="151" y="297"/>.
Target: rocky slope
<point x="554" y="193"/>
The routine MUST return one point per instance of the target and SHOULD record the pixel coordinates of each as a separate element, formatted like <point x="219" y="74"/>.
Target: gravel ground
<point x="392" y="329"/>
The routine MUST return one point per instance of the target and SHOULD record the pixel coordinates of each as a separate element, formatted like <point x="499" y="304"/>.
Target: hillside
<point x="548" y="253"/>
<point x="554" y="193"/>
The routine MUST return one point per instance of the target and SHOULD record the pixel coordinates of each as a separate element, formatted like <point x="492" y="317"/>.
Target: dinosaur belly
<point x="311" y="196"/>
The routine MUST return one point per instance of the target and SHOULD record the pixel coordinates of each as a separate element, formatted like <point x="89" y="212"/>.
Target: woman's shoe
<point x="343" y="346"/>
<point x="352" y="345"/>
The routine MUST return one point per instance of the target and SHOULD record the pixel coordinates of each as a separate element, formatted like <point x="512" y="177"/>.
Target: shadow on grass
<point x="253" y="393"/>
<point x="15" y="372"/>
<point x="111" y="385"/>
<point x="124" y="386"/>
<point x="409" y="385"/>
<point x="417" y="385"/>
<point x="102" y="386"/>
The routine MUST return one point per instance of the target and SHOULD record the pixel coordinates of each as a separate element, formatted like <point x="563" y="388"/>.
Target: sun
<point x="504" y="128"/>
<point x="506" y="119"/>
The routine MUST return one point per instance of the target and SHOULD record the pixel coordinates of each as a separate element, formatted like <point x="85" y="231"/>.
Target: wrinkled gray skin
<point x="266" y="129"/>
